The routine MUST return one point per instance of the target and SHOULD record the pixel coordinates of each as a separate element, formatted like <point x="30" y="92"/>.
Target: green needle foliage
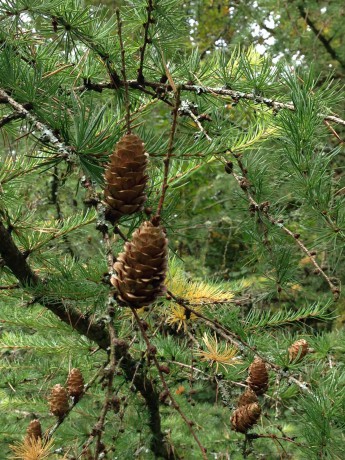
<point x="245" y="176"/>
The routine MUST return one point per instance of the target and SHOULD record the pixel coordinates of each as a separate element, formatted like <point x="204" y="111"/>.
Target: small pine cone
<point x="141" y="268"/>
<point x="58" y="401"/>
<point x="248" y="397"/>
<point x="34" y="430"/>
<point x="298" y="349"/>
<point x="258" y="376"/>
<point x="245" y="417"/>
<point x="125" y="178"/>
<point x="75" y="383"/>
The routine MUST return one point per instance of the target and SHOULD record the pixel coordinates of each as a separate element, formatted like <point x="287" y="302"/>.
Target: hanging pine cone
<point x="75" y="383"/>
<point x="58" y="401"/>
<point x="34" y="430"/>
<point x="141" y="268"/>
<point x="298" y="349"/>
<point x="248" y="397"/>
<point x="245" y="417"/>
<point x="258" y="376"/>
<point x="125" y="178"/>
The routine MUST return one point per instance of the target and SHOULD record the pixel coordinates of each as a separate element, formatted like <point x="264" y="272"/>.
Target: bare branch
<point x="8" y="118"/>
<point x="232" y="94"/>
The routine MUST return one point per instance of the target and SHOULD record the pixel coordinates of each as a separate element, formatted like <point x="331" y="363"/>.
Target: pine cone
<point x="298" y="349"/>
<point x="58" y="401"/>
<point x="125" y="178"/>
<point x="141" y="268"/>
<point x="245" y="417"/>
<point x="75" y="383"/>
<point x="248" y="397"/>
<point x="258" y="376"/>
<point x="34" y="430"/>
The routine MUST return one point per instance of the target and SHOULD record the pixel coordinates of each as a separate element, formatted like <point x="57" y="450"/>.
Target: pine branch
<point x="9" y="118"/>
<point x="185" y="109"/>
<point x="258" y="319"/>
<point x="263" y="208"/>
<point x="98" y="428"/>
<point x="9" y="287"/>
<point x="244" y="183"/>
<point x="236" y="96"/>
<point x="274" y="437"/>
<point x="239" y="343"/>
<point x="114" y="77"/>
<point x="47" y="133"/>
<point x="96" y="332"/>
<point x="14" y="259"/>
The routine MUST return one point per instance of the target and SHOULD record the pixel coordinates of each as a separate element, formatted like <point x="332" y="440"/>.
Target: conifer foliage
<point x="182" y="307"/>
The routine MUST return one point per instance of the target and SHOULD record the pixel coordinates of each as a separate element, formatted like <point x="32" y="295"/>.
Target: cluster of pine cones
<point x="248" y="408"/>
<point x="59" y="396"/>
<point x="58" y="402"/>
<point x="141" y="268"/>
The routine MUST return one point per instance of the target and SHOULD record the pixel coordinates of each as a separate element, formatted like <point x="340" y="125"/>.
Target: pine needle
<point x="32" y="449"/>
<point x="218" y="354"/>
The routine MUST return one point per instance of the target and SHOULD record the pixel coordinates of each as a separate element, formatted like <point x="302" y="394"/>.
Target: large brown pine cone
<point x="248" y="397"/>
<point x="125" y="178"/>
<point x="245" y="417"/>
<point x="258" y="376"/>
<point x="141" y="268"/>
<point x="34" y="430"/>
<point x="298" y="350"/>
<point x="75" y="383"/>
<point x="58" y="401"/>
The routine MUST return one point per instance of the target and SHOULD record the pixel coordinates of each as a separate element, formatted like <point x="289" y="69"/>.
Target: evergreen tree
<point x="172" y="228"/>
